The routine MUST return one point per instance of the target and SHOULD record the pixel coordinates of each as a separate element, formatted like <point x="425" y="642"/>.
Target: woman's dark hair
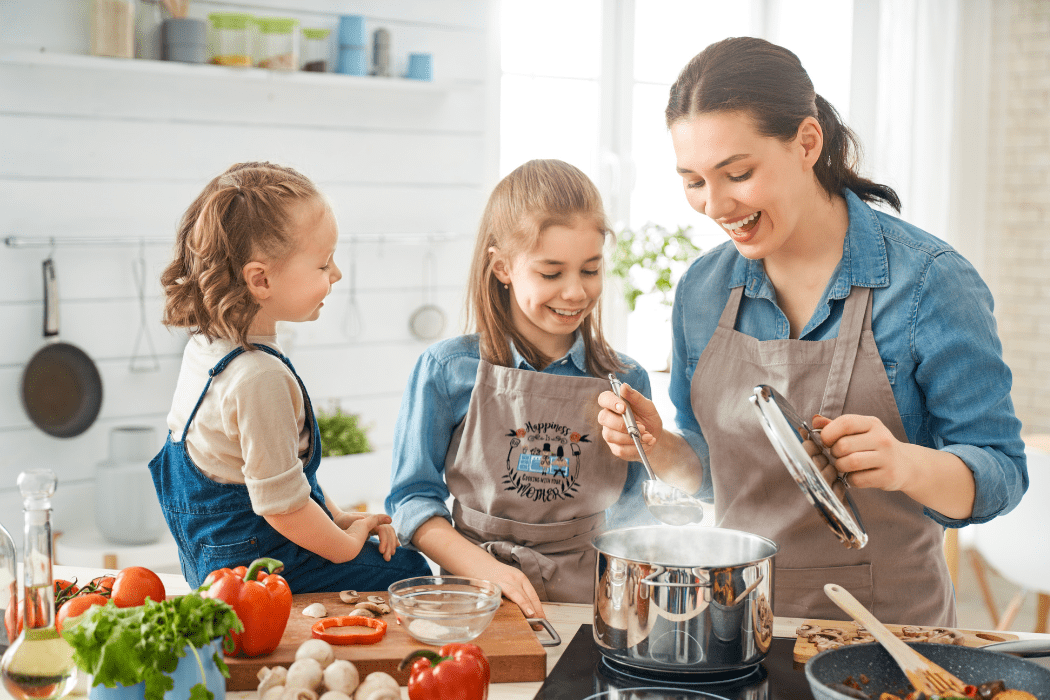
<point x="768" y="83"/>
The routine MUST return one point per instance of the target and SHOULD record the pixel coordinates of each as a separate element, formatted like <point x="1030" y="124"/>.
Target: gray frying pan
<point x="61" y="386"/>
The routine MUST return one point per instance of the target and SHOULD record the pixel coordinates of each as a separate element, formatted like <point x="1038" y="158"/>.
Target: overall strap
<point x="728" y="318"/>
<point x="857" y="308"/>
<point x="223" y="364"/>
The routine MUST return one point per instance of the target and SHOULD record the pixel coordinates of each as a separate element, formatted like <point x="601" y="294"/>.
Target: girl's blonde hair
<point x="528" y="201"/>
<point x="240" y="216"/>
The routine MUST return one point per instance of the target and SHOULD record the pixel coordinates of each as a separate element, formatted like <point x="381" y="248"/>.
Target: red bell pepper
<point x="456" y="671"/>
<point x="262" y="601"/>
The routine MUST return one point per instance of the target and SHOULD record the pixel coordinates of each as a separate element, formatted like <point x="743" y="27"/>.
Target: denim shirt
<point x="933" y="325"/>
<point x="434" y="404"/>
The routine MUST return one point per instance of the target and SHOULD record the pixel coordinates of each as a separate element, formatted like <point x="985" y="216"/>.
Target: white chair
<point x="1017" y="546"/>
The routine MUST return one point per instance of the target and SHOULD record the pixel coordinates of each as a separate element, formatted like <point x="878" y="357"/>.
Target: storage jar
<point x="315" y="50"/>
<point x="277" y="43"/>
<point x="230" y="38"/>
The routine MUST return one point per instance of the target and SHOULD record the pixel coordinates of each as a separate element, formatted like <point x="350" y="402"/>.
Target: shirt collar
<point x="864" y="261"/>
<point x="577" y="353"/>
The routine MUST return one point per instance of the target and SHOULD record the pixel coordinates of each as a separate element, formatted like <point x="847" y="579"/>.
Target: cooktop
<point x="582" y="673"/>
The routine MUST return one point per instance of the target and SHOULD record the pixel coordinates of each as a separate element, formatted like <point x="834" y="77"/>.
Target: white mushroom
<point x="378" y="686"/>
<point x="317" y="649"/>
<point x="315" y="610"/>
<point x="361" y="612"/>
<point x="273" y="693"/>
<point x="304" y="673"/>
<point x="270" y="678"/>
<point x="334" y="695"/>
<point x="294" y="693"/>
<point x="342" y="677"/>
<point x="377" y="608"/>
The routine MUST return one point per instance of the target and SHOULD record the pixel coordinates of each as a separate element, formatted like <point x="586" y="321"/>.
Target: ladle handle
<point x="632" y="426"/>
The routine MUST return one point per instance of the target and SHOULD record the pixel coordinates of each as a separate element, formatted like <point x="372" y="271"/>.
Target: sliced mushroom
<point x="315" y="610"/>
<point x="361" y="612"/>
<point x="270" y="678"/>
<point x="947" y="636"/>
<point x="376" y="599"/>
<point x="348" y="596"/>
<point x="807" y="631"/>
<point x="377" y="608"/>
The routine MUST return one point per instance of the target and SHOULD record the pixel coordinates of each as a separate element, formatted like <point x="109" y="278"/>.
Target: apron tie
<point x="536" y="566"/>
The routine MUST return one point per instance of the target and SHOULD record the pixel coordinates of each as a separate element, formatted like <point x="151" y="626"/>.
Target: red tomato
<point x="134" y="584"/>
<point x="75" y="607"/>
<point x="65" y="589"/>
<point x="102" y="585"/>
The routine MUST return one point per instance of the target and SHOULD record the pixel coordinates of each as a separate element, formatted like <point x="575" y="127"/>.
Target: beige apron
<point x="901" y="575"/>
<point x="531" y="476"/>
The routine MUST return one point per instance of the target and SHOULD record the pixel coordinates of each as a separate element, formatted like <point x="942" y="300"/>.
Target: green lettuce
<point x="144" y="643"/>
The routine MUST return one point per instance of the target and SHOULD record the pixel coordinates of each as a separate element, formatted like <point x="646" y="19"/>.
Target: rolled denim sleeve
<point x="680" y="387"/>
<point x="966" y="385"/>
<point x="422" y="435"/>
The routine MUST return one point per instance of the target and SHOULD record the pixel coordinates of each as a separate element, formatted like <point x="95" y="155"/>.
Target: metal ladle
<point x="668" y="504"/>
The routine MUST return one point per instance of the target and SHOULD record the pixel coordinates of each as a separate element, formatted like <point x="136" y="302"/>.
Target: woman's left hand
<point x="866" y="450"/>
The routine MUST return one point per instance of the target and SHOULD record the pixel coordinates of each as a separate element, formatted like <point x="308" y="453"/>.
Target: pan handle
<point x="50" y="300"/>
<point x="1025" y="648"/>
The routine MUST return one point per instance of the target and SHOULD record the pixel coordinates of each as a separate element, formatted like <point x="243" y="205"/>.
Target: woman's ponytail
<point x="768" y="82"/>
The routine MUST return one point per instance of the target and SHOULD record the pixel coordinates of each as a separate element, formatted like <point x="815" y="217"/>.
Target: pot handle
<point x="648" y="581"/>
<point x="555" y="639"/>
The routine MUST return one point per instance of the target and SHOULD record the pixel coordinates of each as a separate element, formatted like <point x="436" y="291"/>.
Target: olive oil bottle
<point x="39" y="664"/>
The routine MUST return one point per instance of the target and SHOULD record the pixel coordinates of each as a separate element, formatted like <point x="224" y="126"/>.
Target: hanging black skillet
<point x="61" y="386"/>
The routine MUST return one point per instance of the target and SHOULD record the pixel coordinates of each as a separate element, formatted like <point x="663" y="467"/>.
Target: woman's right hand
<point x="614" y="427"/>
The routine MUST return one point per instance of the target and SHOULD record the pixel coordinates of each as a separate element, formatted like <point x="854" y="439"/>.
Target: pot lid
<point x="786" y="431"/>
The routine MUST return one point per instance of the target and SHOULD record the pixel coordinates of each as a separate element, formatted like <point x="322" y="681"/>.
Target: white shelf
<point x="207" y="70"/>
<point x="87" y="548"/>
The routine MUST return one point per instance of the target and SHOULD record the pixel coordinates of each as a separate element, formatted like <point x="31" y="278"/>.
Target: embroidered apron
<point x="215" y="526"/>
<point x="531" y="476"/>
<point x="901" y="575"/>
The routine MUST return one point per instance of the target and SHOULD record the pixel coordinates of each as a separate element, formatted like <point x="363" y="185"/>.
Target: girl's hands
<point x="515" y="586"/>
<point x="614" y="427"/>
<point x="364" y="525"/>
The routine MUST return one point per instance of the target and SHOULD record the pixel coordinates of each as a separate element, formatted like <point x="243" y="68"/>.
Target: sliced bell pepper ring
<point x="319" y="627"/>
<point x="262" y="602"/>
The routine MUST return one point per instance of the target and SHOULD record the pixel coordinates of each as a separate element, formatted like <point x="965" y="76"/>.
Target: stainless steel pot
<point x="686" y="599"/>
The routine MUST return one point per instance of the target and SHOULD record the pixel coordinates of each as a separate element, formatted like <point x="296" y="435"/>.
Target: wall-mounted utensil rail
<point x="63" y="241"/>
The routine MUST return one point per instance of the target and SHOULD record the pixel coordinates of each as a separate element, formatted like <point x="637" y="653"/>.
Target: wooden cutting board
<point x="804" y="649"/>
<point x="511" y="646"/>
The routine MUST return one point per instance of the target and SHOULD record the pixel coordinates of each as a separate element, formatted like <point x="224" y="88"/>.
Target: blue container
<point x="187" y="674"/>
<point x="420" y="67"/>
<point x="351" y="60"/>
<point x="352" y="31"/>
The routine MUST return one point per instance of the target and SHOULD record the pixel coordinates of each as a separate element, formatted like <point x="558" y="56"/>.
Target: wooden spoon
<point x="924" y="675"/>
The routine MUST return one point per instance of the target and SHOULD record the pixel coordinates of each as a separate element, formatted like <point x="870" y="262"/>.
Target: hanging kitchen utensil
<point x="428" y="321"/>
<point x="668" y="504"/>
<point x="353" y="325"/>
<point x="61" y="386"/>
<point x="787" y="431"/>
<point x="152" y="362"/>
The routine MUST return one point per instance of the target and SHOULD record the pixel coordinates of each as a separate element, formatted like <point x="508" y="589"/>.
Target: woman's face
<point x="755" y="187"/>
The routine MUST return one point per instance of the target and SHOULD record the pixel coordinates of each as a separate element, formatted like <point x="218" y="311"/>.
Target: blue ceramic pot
<point x="187" y="674"/>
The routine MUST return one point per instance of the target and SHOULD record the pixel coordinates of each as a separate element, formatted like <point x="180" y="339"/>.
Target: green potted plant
<point x="650" y="259"/>
<point x="342" y="434"/>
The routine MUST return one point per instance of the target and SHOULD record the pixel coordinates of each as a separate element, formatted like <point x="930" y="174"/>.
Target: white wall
<point x="115" y="148"/>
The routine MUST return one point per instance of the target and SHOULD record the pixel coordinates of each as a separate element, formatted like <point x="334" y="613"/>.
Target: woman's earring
<point x="506" y="286"/>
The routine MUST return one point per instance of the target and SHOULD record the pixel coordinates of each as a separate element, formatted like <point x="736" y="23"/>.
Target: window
<point x="595" y="97"/>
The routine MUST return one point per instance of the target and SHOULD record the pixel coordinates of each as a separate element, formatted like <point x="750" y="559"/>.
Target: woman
<point x="851" y="314"/>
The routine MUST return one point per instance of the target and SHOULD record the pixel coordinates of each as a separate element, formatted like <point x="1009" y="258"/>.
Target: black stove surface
<point x="582" y="673"/>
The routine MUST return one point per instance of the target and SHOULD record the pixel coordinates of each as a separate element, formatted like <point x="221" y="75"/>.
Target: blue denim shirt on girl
<point x="215" y="526"/>
<point x="933" y="325"/>
<point x="435" y="402"/>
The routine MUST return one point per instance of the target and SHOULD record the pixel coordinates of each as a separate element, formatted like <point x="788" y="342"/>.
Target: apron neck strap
<point x="856" y="317"/>
<point x="728" y="319"/>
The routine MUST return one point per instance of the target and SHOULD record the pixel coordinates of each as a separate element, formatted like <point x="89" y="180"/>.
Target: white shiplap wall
<point x="96" y="147"/>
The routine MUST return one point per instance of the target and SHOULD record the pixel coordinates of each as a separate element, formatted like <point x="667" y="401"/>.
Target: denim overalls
<point x="215" y="526"/>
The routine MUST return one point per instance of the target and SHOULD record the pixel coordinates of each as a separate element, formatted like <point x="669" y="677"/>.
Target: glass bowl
<point x="441" y="610"/>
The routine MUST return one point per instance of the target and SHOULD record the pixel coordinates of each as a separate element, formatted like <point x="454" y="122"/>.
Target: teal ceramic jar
<point x="187" y="674"/>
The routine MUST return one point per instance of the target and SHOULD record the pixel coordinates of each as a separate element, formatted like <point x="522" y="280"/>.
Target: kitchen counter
<point x="566" y="619"/>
